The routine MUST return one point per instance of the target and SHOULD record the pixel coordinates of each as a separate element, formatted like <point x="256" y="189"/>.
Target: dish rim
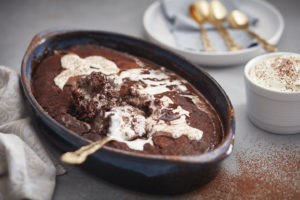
<point x="219" y="153"/>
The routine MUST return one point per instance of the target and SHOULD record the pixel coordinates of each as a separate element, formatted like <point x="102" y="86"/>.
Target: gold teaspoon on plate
<point x="80" y="155"/>
<point x="199" y="11"/>
<point x="218" y="14"/>
<point x="239" y="20"/>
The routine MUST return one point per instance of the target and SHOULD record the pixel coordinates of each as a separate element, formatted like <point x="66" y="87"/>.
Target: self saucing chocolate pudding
<point x="98" y="92"/>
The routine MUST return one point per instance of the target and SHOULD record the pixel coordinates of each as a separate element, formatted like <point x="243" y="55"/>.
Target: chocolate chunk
<point x="82" y="108"/>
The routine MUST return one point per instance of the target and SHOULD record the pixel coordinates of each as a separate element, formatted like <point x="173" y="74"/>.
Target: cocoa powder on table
<point x="273" y="174"/>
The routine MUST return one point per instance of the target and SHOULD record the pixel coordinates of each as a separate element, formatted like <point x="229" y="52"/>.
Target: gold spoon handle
<point x="80" y="155"/>
<point x="205" y="40"/>
<point x="266" y="45"/>
<point x="230" y="43"/>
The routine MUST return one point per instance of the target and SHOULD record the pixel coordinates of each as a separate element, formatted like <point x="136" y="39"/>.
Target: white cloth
<point x="26" y="170"/>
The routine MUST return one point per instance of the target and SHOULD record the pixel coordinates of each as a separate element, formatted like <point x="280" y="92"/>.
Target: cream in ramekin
<point x="273" y="92"/>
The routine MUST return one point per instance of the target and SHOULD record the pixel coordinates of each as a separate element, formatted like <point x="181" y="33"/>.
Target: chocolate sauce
<point x="87" y="104"/>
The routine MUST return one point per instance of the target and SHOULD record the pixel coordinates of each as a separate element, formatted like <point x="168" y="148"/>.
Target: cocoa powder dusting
<point x="273" y="174"/>
<point x="280" y="73"/>
<point x="286" y="70"/>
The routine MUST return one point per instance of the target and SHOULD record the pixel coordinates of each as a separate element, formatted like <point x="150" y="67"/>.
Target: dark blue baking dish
<point x="154" y="173"/>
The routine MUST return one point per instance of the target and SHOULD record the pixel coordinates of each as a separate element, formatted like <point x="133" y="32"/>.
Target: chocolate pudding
<point x="97" y="92"/>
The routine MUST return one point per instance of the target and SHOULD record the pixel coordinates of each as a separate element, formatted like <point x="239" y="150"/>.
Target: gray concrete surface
<point x="21" y="20"/>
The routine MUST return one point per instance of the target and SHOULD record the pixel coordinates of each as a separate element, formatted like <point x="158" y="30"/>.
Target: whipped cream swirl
<point x="279" y="73"/>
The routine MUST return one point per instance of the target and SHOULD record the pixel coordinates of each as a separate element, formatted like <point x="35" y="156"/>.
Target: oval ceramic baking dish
<point x="171" y="174"/>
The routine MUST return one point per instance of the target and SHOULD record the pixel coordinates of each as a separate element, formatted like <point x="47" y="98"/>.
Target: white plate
<point x="270" y="26"/>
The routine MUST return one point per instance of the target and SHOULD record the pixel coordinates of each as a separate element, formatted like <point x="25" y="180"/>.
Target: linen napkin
<point x="26" y="170"/>
<point x="186" y="31"/>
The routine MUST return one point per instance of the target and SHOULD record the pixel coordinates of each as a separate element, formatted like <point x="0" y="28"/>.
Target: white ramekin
<point x="273" y="111"/>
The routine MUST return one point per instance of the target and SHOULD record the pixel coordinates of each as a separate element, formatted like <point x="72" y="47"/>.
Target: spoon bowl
<point x="239" y="20"/>
<point x="199" y="11"/>
<point x="218" y="14"/>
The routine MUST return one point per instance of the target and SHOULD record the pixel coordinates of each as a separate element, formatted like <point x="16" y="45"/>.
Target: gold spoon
<point x="199" y="11"/>
<point x="218" y="14"/>
<point x="239" y="20"/>
<point x="80" y="155"/>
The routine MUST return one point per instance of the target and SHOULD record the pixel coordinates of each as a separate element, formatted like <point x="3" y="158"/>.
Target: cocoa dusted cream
<point x="97" y="92"/>
<point x="280" y="73"/>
